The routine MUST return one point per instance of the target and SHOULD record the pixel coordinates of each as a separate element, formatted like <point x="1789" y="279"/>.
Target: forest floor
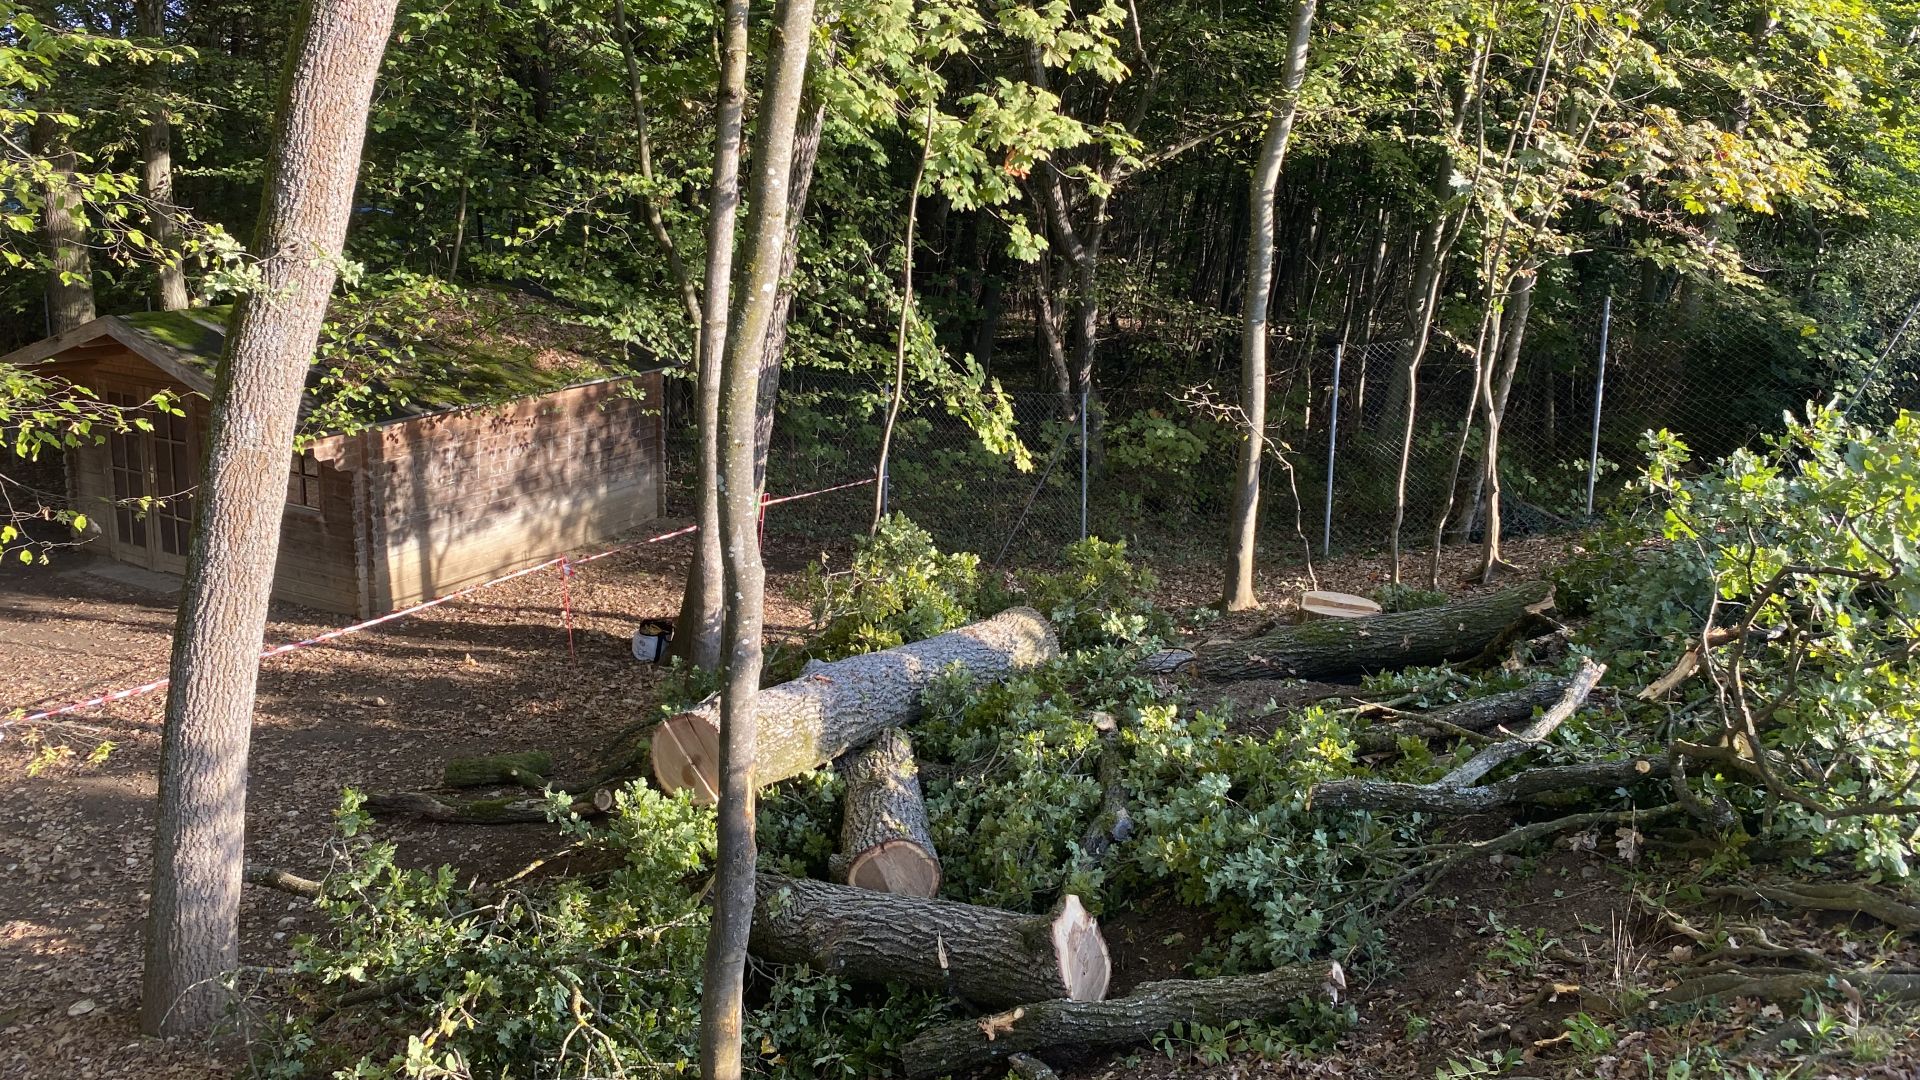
<point x="1494" y="968"/>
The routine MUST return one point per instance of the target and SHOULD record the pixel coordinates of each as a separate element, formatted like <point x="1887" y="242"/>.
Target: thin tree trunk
<point x="1244" y="526"/>
<point x="637" y="99"/>
<point x="1495" y="402"/>
<point x="900" y="335"/>
<point x="806" y="151"/>
<point x="747" y="332"/>
<point x="200" y="820"/>
<point x="157" y="169"/>
<point x="70" y="282"/>
<point x="697" y="632"/>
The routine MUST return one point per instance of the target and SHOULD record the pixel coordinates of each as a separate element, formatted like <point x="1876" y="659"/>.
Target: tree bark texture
<point x="1335" y="649"/>
<point x="886" y="842"/>
<point x="156" y="167"/>
<point x="1478" y="715"/>
<point x="961" y="1045"/>
<point x="200" y="819"/>
<point x="755" y="303"/>
<point x="1534" y="783"/>
<point x="697" y="631"/>
<point x="1244" y="527"/>
<point x="982" y="955"/>
<point x="806" y="152"/>
<point x="839" y="706"/>
<point x="70" y="280"/>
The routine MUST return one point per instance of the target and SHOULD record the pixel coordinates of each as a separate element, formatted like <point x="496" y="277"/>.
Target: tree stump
<point x="886" y="843"/>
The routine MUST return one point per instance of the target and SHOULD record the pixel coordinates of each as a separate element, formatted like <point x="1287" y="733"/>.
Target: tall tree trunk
<point x="697" y="632"/>
<point x="906" y="321"/>
<point x="157" y="168"/>
<point x="1494" y="400"/>
<point x="643" y="132"/>
<point x="70" y="284"/>
<point x="1244" y="527"/>
<point x="200" y="820"/>
<point x="773" y="355"/>
<point x="724" y="980"/>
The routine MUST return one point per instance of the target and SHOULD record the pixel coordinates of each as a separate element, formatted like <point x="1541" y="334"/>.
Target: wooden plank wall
<point x="457" y="498"/>
<point x="316" y="566"/>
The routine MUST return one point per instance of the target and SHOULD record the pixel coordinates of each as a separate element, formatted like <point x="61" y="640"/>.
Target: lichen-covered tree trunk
<point x="1336" y="649"/>
<point x="886" y="842"/>
<point x="839" y="706"/>
<point x="200" y="819"/>
<point x="980" y="954"/>
<point x="963" y="1045"/>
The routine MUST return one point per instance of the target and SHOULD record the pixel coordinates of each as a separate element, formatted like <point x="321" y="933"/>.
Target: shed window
<point x="303" y="482"/>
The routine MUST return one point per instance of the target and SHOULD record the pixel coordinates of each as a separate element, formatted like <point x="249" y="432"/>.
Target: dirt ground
<point x="384" y="709"/>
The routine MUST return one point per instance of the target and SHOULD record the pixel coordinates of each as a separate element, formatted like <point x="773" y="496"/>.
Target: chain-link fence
<point x="1154" y="467"/>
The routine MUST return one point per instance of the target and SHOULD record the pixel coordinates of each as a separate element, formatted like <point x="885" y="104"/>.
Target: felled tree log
<point x="980" y="954"/>
<point x="510" y="811"/>
<point x="1341" y="648"/>
<point x="819" y="716"/>
<point x="969" y="1044"/>
<point x="1459" y="792"/>
<point x="529" y="770"/>
<point x="886" y="843"/>
<point x="1114" y="824"/>
<point x="1435" y="799"/>
<point x="1478" y="715"/>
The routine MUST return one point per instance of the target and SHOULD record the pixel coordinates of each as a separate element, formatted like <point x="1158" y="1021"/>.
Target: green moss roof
<point x="489" y="347"/>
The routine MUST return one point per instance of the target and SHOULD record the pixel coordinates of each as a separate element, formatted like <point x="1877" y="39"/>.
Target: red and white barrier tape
<point x="568" y="567"/>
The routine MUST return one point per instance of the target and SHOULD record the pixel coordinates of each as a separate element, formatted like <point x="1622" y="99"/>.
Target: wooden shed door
<point x="159" y="465"/>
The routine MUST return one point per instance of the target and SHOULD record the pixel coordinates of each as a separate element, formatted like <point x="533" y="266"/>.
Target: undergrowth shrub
<point x="594" y="975"/>
<point x="899" y="588"/>
<point x="1806" y="552"/>
<point x="1220" y="818"/>
<point x="1403" y="597"/>
<point x="1098" y="598"/>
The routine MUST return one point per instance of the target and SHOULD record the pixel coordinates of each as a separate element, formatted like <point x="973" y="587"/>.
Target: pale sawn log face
<point x="816" y="718"/>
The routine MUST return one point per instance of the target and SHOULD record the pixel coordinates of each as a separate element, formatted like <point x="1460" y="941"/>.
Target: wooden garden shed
<point x="509" y="438"/>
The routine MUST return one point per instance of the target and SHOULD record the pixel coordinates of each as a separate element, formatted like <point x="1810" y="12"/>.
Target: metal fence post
<point x="1333" y="447"/>
<point x="1083" y="463"/>
<point x="886" y="486"/>
<point x="1599" y="398"/>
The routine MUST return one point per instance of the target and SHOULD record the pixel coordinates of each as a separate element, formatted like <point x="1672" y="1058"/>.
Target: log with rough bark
<point x="980" y="954"/>
<point x="1114" y="824"/>
<point x="961" y="1045"/>
<point x="886" y="843"/>
<point x="1476" y="715"/>
<point x="816" y="718"/>
<point x="1342" y="648"/>
<point x="528" y="769"/>
<point x="1460" y="792"/>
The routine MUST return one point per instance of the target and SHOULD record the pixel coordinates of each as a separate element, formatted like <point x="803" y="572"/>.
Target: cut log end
<point x="900" y="867"/>
<point x="1085" y="966"/>
<point x="686" y="754"/>
<point x="1334" y="605"/>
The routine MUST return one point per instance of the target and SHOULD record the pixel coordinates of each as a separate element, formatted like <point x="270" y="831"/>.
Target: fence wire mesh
<point x="1154" y="467"/>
